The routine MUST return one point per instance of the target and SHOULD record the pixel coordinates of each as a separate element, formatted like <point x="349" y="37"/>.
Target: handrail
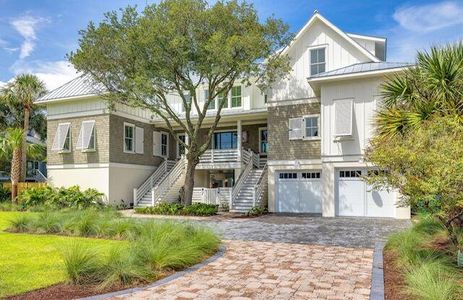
<point x="240" y="181"/>
<point x="160" y="171"/>
<point x="40" y="175"/>
<point x="168" y="181"/>
<point x="260" y="187"/>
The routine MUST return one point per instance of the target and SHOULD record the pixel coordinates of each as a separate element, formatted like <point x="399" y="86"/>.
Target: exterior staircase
<point x="251" y="188"/>
<point x="163" y="185"/>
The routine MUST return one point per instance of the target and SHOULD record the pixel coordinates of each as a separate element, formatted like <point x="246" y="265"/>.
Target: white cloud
<point x="419" y="27"/>
<point x="26" y="26"/>
<point x="429" y="17"/>
<point x="52" y="73"/>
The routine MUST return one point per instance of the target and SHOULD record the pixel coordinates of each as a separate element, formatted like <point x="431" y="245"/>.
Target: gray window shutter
<point x="139" y="140"/>
<point x="156" y="143"/>
<point x="343" y="117"/>
<point x="295" y="128"/>
<point x="60" y="137"/>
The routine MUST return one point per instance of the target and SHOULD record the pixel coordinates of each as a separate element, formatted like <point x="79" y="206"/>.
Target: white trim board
<point x="293" y="102"/>
<point x="100" y="165"/>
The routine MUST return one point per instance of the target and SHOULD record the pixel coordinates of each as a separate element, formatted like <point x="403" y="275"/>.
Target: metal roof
<point x="362" y="68"/>
<point x="80" y="86"/>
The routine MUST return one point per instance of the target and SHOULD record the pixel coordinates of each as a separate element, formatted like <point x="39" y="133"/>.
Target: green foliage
<point x="60" y="198"/>
<point x="5" y="194"/>
<point x="256" y="211"/>
<point x="425" y="166"/>
<point x="430" y="272"/>
<point x="155" y="247"/>
<point x="164" y="208"/>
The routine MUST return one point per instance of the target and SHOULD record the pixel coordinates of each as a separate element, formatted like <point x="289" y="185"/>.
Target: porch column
<point x="238" y="142"/>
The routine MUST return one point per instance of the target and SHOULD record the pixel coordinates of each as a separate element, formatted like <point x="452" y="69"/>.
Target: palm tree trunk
<point x="24" y="145"/>
<point x="15" y="172"/>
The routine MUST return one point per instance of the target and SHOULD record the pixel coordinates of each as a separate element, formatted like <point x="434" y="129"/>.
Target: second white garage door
<point x="356" y="198"/>
<point x="299" y="192"/>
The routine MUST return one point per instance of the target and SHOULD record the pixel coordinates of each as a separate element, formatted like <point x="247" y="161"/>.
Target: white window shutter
<point x="156" y="143"/>
<point x="85" y="134"/>
<point x="343" y="117"/>
<point x="60" y="137"/>
<point x="139" y="140"/>
<point x="296" y="128"/>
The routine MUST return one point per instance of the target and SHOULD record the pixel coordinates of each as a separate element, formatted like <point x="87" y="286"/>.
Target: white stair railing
<point x="163" y="186"/>
<point x="240" y="181"/>
<point x="146" y="186"/>
<point x="260" y="188"/>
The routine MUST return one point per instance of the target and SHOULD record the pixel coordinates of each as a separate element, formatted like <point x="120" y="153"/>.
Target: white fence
<point x="217" y="196"/>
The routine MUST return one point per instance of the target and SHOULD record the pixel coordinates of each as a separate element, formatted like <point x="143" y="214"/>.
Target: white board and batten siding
<point x="338" y="53"/>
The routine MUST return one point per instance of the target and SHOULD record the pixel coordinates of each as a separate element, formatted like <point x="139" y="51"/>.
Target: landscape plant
<point x="179" y="47"/>
<point x="164" y="208"/>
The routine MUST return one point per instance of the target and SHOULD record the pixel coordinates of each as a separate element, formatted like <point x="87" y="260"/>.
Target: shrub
<point x="5" y="194"/>
<point x="82" y="264"/>
<point x="256" y="211"/>
<point x="164" y="208"/>
<point x="22" y="223"/>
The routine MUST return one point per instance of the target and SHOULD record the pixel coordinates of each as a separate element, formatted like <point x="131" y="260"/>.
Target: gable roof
<point x="78" y="87"/>
<point x="317" y="16"/>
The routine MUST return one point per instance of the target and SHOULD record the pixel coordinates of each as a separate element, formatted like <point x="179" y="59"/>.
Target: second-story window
<point x="236" y="96"/>
<point x="206" y="98"/>
<point x="129" y="138"/>
<point x="311" y="127"/>
<point x="317" y="61"/>
<point x="223" y="98"/>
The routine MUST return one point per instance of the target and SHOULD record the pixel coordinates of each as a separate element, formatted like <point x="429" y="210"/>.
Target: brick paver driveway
<point x="277" y="257"/>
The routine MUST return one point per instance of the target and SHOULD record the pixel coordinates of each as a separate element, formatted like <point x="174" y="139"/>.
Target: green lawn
<point x="29" y="262"/>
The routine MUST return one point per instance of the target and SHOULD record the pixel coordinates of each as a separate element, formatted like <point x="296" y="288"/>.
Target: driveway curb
<point x="163" y="281"/>
<point x="377" y="273"/>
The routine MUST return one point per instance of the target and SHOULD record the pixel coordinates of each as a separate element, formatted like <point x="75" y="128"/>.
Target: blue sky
<point x="35" y="35"/>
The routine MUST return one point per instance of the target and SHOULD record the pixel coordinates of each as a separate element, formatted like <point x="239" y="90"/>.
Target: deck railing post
<point x="135" y="202"/>
<point x="152" y="197"/>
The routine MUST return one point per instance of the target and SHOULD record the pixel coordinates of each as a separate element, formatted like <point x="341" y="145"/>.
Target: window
<point x="225" y="140"/>
<point x="311" y="175"/>
<point x="187" y="99"/>
<point x="180" y="146"/>
<point x="265" y="98"/>
<point x="129" y="138"/>
<point x="206" y="98"/>
<point x="164" y="144"/>
<point x="263" y="140"/>
<point x="350" y="174"/>
<point x="311" y="127"/>
<point x="86" y="139"/>
<point x="223" y="97"/>
<point x="62" y="141"/>
<point x="317" y="61"/>
<point x="288" y="175"/>
<point x="236" y="96"/>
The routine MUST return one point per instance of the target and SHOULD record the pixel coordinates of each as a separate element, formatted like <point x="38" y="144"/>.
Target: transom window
<point x="164" y="144"/>
<point x="311" y="127"/>
<point x="350" y="174"/>
<point x="129" y="137"/>
<point x="225" y="140"/>
<point x="311" y="175"/>
<point x="236" y="96"/>
<point x="317" y="61"/>
<point x="288" y="175"/>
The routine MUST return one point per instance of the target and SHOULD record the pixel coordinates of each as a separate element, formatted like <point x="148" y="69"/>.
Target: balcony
<point x="220" y="159"/>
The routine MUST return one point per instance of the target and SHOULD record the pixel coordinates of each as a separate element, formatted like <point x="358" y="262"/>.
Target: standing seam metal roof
<point x="80" y="86"/>
<point x="361" y="68"/>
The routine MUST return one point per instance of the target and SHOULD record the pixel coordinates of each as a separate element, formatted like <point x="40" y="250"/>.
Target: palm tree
<point x="433" y="86"/>
<point x="11" y="147"/>
<point x="23" y="91"/>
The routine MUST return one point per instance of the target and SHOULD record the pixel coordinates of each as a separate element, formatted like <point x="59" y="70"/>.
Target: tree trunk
<point x="15" y="173"/>
<point x="23" y="172"/>
<point x="189" y="179"/>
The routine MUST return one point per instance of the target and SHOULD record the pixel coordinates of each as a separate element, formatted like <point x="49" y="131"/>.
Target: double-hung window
<point x="164" y="144"/>
<point x="311" y="127"/>
<point x="206" y="98"/>
<point x="180" y="146"/>
<point x="129" y="138"/>
<point x="223" y="98"/>
<point x="236" y="96"/>
<point x="317" y="61"/>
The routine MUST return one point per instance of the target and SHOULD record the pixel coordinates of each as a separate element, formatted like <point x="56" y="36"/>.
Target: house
<point x="298" y="149"/>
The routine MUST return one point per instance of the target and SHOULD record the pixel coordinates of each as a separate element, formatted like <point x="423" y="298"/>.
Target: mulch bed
<point x="65" y="291"/>
<point x="394" y="280"/>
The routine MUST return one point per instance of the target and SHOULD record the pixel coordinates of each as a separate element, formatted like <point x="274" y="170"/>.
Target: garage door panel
<point x="351" y="201"/>
<point x="310" y="196"/>
<point x="288" y="196"/>
<point x="380" y="203"/>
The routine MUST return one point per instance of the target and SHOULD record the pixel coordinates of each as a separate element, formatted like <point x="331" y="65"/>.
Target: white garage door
<point x="356" y="198"/>
<point x="299" y="192"/>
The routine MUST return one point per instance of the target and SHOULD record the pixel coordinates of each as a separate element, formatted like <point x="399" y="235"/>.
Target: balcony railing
<point x="219" y="156"/>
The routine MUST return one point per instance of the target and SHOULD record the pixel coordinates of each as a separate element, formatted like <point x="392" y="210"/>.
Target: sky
<point x="36" y="35"/>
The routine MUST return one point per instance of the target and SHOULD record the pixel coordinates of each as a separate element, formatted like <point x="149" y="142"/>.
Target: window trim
<point x="311" y="138"/>
<point x="310" y="57"/>
<point x="167" y="143"/>
<point x="221" y="131"/>
<point x="61" y="151"/>
<point x="260" y="139"/>
<point x="126" y="124"/>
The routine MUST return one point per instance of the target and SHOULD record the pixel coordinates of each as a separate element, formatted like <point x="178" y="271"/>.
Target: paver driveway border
<point x="163" y="281"/>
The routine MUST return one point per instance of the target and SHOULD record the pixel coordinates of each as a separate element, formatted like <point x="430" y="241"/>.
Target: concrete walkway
<point x="283" y="257"/>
